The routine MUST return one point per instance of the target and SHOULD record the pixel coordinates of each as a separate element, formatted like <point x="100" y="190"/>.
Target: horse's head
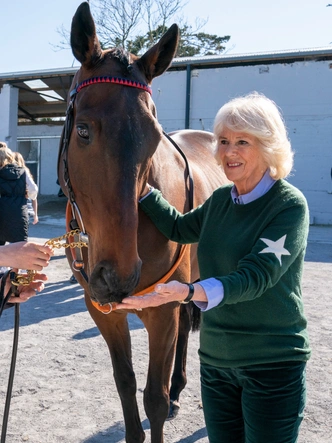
<point x="113" y="134"/>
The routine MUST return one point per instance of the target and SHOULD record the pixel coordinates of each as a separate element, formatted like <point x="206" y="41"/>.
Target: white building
<point x="188" y="95"/>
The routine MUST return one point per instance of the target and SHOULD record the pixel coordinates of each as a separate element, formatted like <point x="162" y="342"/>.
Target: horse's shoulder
<point x="199" y="148"/>
<point x="194" y="142"/>
<point x="187" y="135"/>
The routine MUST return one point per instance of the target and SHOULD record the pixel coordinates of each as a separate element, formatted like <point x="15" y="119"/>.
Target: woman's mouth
<point x="234" y="165"/>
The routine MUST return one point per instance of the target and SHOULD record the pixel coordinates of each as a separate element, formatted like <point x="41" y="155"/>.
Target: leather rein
<point x="74" y="220"/>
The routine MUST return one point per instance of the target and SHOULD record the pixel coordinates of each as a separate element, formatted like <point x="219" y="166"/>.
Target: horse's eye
<point x="82" y="132"/>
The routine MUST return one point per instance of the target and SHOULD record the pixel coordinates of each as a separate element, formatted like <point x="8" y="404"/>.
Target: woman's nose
<point x="230" y="149"/>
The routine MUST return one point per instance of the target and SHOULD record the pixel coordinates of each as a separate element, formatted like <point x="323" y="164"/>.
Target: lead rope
<point x="11" y="291"/>
<point x="11" y="373"/>
<point x="19" y="280"/>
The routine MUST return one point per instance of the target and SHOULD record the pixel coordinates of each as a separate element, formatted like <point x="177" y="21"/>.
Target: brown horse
<point x="112" y="145"/>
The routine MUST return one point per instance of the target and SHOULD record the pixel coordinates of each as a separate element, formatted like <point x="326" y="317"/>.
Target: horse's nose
<point x="107" y="285"/>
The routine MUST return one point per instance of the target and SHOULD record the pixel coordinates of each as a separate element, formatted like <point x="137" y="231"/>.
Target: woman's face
<point x="241" y="159"/>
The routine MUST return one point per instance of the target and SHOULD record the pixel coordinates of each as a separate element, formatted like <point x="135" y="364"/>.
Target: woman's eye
<point x="242" y="142"/>
<point x="83" y="132"/>
<point x="223" y="142"/>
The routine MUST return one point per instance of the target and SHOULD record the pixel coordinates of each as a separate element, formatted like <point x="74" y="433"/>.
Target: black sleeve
<point x="4" y="297"/>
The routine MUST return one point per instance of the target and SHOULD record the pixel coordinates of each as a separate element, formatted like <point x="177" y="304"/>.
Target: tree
<point x="191" y="43"/>
<point x="116" y="20"/>
<point x="136" y="25"/>
<point x="200" y="43"/>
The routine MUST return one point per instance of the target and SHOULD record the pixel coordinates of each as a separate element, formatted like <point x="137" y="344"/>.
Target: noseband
<point x="76" y="222"/>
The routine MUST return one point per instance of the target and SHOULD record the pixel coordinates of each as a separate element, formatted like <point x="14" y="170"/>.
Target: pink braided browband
<point x="116" y="80"/>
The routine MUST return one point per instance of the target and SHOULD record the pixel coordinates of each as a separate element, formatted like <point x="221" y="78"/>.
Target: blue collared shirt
<point x="213" y="288"/>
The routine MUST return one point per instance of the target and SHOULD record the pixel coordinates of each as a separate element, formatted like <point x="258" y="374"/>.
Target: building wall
<point x="49" y="138"/>
<point x="8" y="115"/>
<point x="169" y="96"/>
<point x="301" y="89"/>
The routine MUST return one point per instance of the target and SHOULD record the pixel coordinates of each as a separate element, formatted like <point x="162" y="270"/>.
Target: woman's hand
<point x="25" y="255"/>
<point x="148" y="188"/>
<point x="164" y="293"/>
<point x="25" y="291"/>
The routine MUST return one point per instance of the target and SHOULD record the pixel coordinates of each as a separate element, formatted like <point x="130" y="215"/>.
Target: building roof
<point x="43" y="94"/>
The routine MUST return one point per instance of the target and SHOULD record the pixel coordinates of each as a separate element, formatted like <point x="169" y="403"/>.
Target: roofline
<point x="54" y="72"/>
<point x="259" y="57"/>
<point x="182" y="62"/>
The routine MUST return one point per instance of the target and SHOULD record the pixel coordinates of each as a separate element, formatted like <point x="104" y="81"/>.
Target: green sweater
<point x="257" y="252"/>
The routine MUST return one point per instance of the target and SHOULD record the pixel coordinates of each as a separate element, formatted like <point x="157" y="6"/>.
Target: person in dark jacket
<point x="14" y="217"/>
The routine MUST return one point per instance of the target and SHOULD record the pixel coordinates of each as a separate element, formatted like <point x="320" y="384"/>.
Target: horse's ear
<point x="158" y="58"/>
<point x="83" y="38"/>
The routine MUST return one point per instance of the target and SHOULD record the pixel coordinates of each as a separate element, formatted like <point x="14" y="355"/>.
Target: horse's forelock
<point x="119" y="54"/>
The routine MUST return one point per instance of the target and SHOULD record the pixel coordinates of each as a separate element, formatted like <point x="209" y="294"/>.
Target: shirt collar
<point x="259" y="190"/>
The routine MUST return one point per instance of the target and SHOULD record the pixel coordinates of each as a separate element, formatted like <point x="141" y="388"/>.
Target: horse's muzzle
<point x="107" y="286"/>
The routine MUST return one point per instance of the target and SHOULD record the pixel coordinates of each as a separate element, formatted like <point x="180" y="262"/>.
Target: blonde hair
<point x="255" y="114"/>
<point x="18" y="157"/>
<point x="6" y="155"/>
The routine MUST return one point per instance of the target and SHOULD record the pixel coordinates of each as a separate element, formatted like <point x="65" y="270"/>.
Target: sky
<point x="29" y="28"/>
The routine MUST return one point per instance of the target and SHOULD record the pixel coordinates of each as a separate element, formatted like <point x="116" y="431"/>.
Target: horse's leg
<point x="162" y="326"/>
<point x="179" y="377"/>
<point x="114" y="328"/>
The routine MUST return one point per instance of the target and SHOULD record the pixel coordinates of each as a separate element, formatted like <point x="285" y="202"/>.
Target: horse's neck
<point x="165" y="164"/>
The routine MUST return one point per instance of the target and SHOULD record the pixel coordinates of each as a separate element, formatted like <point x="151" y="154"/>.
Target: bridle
<point x="73" y="217"/>
<point x="68" y="126"/>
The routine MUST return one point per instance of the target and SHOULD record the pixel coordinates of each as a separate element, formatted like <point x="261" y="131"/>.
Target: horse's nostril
<point x="105" y="275"/>
<point x="106" y="285"/>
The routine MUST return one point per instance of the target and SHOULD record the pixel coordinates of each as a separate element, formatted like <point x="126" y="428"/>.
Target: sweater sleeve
<point x="275" y="258"/>
<point x="181" y="228"/>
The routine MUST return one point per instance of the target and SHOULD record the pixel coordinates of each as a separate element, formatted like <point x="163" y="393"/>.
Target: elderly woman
<point x="251" y="239"/>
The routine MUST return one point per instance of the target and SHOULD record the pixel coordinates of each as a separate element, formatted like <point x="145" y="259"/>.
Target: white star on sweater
<point x="275" y="247"/>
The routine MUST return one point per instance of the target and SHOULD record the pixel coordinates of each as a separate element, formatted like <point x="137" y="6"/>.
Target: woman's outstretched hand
<point x="163" y="293"/>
